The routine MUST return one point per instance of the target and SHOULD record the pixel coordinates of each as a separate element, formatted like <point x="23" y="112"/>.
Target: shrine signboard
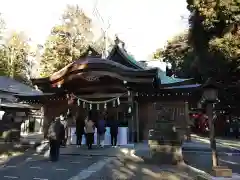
<point x="164" y="131"/>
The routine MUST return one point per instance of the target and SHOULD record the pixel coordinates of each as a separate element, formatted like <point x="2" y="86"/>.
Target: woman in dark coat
<point x="114" y="131"/>
<point x="79" y="130"/>
<point x="54" y="135"/>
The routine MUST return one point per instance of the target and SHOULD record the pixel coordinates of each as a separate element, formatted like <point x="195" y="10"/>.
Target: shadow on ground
<point x="12" y="151"/>
<point x="135" y="169"/>
<point x="204" y="161"/>
<point x="138" y="165"/>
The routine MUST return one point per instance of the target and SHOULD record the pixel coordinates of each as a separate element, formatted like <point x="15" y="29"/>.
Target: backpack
<point x="51" y="132"/>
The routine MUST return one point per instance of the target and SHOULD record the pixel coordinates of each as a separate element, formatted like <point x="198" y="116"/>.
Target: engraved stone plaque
<point x="164" y="129"/>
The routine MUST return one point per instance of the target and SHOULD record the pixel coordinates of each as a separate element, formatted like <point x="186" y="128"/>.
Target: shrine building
<point x="118" y="86"/>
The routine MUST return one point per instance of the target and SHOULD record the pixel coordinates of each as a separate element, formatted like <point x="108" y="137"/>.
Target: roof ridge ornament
<point x="119" y="42"/>
<point x="116" y="40"/>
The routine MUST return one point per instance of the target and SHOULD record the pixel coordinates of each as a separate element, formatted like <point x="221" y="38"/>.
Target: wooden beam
<point x="101" y="95"/>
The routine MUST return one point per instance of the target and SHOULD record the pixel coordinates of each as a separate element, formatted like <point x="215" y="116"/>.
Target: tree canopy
<point x="14" y="55"/>
<point x="2" y="48"/>
<point x="211" y="47"/>
<point x="179" y="54"/>
<point x="14" y="51"/>
<point x="67" y="41"/>
<point x="215" y="37"/>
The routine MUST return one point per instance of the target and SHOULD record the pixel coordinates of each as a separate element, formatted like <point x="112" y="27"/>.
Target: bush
<point x="11" y="135"/>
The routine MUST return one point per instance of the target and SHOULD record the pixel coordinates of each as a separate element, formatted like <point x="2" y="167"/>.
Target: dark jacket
<point x="101" y="126"/>
<point x="80" y="124"/>
<point x="54" y="131"/>
<point x="114" y="126"/>
<point x="62" y="132"/>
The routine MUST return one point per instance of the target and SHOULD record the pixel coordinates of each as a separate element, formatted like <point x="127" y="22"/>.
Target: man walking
<point x="114" y="132"/>
<point x="54" y="136"/>
<point x="101" y="129"/>
<point x="89" y="130"/>
<point x="79" y="130"/>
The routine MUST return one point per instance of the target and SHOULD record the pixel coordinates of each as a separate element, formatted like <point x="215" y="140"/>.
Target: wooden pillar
<point x="137" y="121"/>
<point x="187" y="119"/>
<point x="131" y="118"/>
<point x="46" y="120"/>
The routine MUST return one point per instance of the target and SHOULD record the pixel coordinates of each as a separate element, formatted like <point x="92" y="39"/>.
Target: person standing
<point x="62" y="135"/>
<point x="101" y="129"/>
<point x="63" y="130"/>
<point x="54" y="136"/>
<point x="114" y="132"/>
<point x="89" y="130"/>
<point x="79" y="130"/>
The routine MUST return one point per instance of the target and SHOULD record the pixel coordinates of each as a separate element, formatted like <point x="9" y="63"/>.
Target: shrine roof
<point x="12" y="86"/>
<point x="127" y="59"/>
<point x="99" y="68"/>
<point x="35" y="95"/>
<point x="91" y="63"/>
<point x="16" y="105"/>
<point x="166" y="80"/>
<point x="91" y="51"/>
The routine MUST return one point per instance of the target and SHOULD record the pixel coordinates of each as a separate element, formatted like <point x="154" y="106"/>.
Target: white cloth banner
<point x="122" y="136"/>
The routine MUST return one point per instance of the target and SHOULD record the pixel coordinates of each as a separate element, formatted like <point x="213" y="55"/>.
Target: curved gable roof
<point x="105" y="67"/>
<point x="127" y="59"/>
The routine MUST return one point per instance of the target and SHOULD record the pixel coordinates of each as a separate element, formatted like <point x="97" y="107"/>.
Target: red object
<point x="195" y="115"/>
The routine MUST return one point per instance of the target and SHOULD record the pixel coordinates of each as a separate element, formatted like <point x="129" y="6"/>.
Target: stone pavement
<point x="199" y="161"/>
<point x="107" y="151"/>
<point x="39" y="168"/>
<point x="199" y="156"/>
<point x="196" y="145"/>
<point x="74" y="163"/>
<point x="224" y="141"/>
<point x="126" y="162"/>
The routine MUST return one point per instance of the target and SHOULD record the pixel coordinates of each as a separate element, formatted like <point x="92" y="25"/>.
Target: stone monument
<point x="164" y="140"/>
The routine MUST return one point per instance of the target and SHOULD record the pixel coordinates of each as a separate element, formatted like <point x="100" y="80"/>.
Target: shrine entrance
<point x="110" y="109"/>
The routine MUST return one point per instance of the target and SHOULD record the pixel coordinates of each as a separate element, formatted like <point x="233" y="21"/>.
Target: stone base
<point x="202" y="177"/>
<point x="221" y="171"/>
<point x="218" y="171"/>
<point x="166" y="154"/>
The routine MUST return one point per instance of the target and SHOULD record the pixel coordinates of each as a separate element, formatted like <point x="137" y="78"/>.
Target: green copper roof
<point x="168" y="80"/>
<point x="161" y="74"/>
<point x="130" y="58"/>
<point x="133" y="60"/>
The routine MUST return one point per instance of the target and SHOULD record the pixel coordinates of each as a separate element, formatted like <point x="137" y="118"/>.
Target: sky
<point x="144" y="25"/>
